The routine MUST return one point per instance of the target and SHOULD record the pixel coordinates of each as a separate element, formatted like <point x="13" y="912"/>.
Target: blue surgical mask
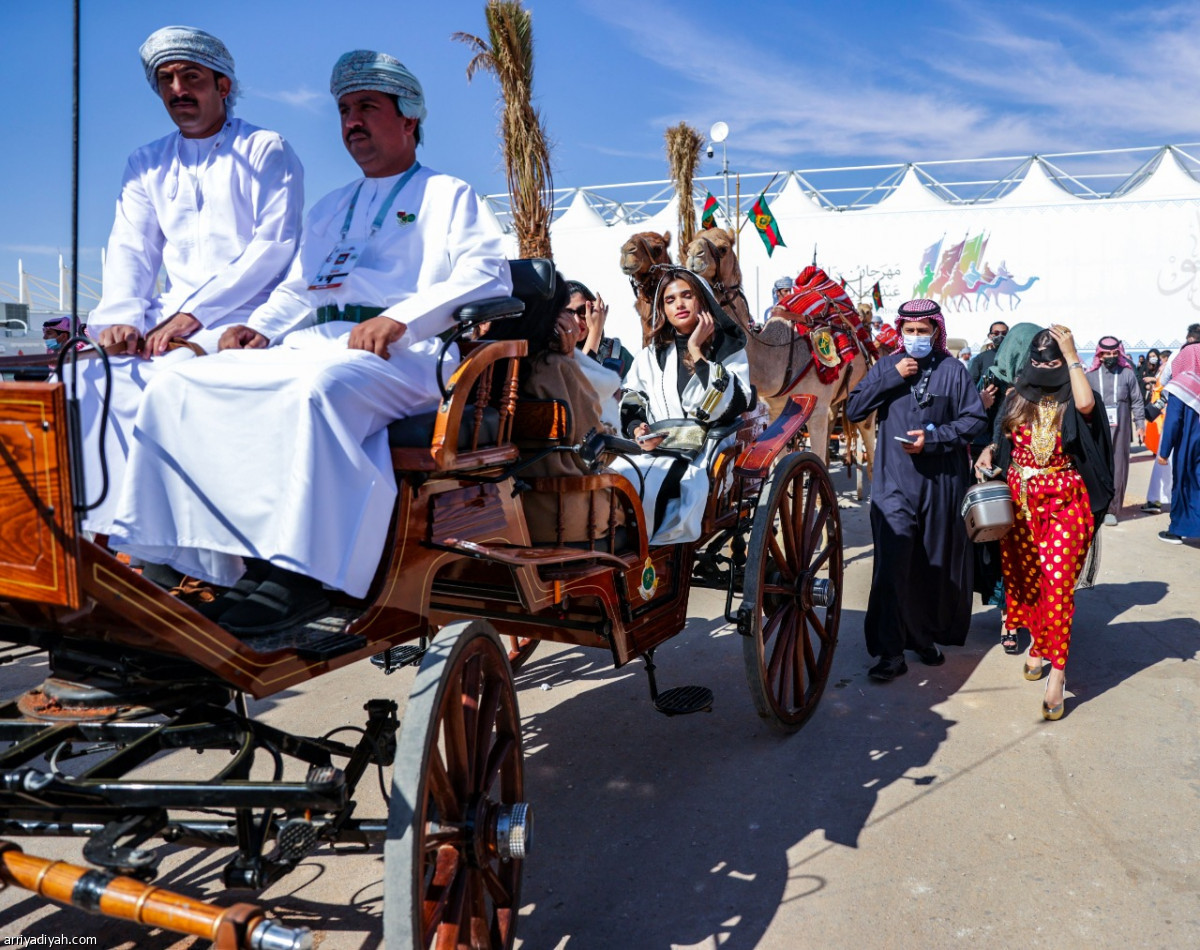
<point x="52" y="345"/>
<point x="918" y="346"/>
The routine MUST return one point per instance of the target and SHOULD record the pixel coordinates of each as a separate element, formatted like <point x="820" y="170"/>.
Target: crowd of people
<point x="327" y="330"/>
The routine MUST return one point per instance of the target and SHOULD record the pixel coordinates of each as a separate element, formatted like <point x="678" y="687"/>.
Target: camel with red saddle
<point x="791" y="353"/>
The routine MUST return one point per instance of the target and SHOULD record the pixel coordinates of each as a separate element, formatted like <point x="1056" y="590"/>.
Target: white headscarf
<point x="190" y="45"/>
<point x="364" y="69"/>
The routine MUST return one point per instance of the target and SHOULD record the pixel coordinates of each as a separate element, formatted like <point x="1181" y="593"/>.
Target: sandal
<point x="1010" y="642"/>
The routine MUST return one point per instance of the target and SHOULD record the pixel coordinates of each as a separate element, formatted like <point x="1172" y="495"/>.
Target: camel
<point x="1003" y="285"/>
<point x="777" y="353"/>
<point x="643" y="256"/>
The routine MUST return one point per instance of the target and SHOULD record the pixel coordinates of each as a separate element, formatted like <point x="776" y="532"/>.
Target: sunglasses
<point x="580" y="311"/>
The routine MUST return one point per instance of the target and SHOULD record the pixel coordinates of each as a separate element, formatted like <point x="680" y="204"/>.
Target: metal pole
<point x="731" y="218"/>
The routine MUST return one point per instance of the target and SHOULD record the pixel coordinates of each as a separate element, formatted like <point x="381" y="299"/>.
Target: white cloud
<point x="981" y="84"/>
<point x="302" y="98"/>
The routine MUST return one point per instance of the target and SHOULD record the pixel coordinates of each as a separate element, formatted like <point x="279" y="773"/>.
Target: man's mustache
<point x="358" y="131"/>
<point x="182" y="100"/>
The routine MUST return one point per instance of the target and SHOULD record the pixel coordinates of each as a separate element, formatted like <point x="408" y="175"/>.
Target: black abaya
<point x="921" y="580"/>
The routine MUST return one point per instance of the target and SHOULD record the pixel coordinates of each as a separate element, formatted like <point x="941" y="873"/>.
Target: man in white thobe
<point x="217" y="205"/>
<point x="275" y="450"/>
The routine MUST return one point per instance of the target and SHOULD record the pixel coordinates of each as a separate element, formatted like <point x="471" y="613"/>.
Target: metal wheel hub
<point x="816" y="591"/>
<point x="497" y="830"/>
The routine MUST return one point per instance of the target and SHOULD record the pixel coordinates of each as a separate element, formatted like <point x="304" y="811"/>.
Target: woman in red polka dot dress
<point x="1055" y="451"/>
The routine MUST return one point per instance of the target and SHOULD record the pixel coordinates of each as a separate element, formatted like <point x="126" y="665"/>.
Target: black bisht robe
<point x="921" y="579"/>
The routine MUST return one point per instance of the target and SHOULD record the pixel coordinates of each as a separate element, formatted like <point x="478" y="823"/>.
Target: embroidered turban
<point x="187" y="44"/>
<point x="363" y="69"/>
<point x="923" y="309"/>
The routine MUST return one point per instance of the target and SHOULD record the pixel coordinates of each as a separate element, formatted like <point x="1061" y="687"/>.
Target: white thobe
<point x="221" y="217"/>
<point x="684" y="515"/>
<point x="282" y="454"/>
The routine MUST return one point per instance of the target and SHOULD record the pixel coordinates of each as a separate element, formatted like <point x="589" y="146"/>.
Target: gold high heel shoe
<point x="1031" y="674"/>
<point x="1055" y="713"/>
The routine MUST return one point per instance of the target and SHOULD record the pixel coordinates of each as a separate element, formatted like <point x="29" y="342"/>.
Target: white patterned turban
<point x="187" y="44"/>
<point x="363" y="69"/>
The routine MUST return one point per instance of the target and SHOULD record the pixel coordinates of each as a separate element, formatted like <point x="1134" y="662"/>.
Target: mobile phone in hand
<point x="905" y="439"/>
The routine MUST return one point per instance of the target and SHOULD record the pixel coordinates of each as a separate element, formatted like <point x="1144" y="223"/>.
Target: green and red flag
<point x="708" y="216"/>
<point x="766" y="225"/>
<point x="877" y="295"/>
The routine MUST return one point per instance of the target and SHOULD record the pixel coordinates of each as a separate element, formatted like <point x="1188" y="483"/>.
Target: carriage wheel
<point x="520" y="649"/>
<point x="793" y="592"/>
<point x="458" y="825"/>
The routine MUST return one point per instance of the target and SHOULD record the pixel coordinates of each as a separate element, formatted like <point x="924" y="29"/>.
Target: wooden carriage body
<point x="461" y="550"/>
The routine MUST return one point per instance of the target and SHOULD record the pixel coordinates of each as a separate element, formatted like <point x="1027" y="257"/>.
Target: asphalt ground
<point x="938" y="810"/>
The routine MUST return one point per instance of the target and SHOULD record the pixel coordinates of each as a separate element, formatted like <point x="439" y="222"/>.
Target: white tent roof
<point x="1036" y="188"/>
<point x="909" y="195"/>
<point x="579" y="214"/>
<point x="1168" y="182"/>
<point x="793" y="202"/>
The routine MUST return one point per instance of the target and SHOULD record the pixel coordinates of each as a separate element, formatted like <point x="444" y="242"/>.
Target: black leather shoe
<point x="931" y="657"/>
<point x="285" y="599"/>
<point x="888" y="668"/>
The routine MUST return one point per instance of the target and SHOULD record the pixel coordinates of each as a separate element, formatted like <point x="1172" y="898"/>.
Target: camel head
<point x="711" y="255"/>
<point x="643" y="251"/>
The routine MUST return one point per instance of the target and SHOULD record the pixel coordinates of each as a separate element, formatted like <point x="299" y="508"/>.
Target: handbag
<point x="987" y="511"/>
<point x="1155" y="409"/>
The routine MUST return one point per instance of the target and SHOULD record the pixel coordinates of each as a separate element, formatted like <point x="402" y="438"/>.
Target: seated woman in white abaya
<point x="692" y="379"/>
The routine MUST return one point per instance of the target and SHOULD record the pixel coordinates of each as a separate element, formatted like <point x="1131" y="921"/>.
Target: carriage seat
<point x="415" y="432"/>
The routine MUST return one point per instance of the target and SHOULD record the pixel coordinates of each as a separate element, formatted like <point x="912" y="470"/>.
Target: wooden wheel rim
<point x="795" y="549"/>
<point x="458" y="761"/>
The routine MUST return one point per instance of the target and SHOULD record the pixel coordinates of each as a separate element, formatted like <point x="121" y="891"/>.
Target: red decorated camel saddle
<point x="822" y="311"/>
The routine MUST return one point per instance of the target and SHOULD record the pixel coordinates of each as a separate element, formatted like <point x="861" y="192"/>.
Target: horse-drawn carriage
<point x="136" y="673"/>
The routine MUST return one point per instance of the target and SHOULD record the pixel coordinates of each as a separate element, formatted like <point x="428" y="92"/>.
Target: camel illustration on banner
<point x="958" y="277"/>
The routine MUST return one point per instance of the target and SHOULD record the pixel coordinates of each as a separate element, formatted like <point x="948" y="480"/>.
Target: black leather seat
<point x="416" y="432"/>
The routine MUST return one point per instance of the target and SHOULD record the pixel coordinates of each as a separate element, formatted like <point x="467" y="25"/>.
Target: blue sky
<point x="801" y="84"/>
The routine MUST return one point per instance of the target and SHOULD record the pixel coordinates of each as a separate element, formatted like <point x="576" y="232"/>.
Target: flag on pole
<point x="842" y="280"/>
<point x="708" y="216"/>
<point x="766" y="225"/>
<point x="877" y="295"/>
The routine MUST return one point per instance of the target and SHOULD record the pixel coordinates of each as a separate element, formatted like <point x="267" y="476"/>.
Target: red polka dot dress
<point x="1042" y="555"/>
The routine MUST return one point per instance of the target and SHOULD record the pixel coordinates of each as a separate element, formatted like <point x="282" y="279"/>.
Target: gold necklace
<point x="1044" y="435"/>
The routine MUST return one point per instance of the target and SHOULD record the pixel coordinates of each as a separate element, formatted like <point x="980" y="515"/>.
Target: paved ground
<point x="938" y="810"/>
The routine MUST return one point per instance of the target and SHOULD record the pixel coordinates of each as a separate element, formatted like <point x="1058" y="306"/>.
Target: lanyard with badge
<point x="345" y="254"/>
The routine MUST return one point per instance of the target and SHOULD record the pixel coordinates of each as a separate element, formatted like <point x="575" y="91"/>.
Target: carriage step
<point x="321" y="645"/>
<point x="297" y="838"/>
<point x="681" y="700"/>
<point x="392" y="659"/>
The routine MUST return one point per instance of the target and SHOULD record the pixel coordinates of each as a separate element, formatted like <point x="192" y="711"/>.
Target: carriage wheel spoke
<point x="785" y="649"/>
<point x="489" y="706"/>
<point x="478" y="922"/>
<point x="798" y="669"/>
<point x="450" y="926"/>
<point x="500" y="753"/>
<point x="783" y="642"/>
<point x="454" y="734"/>
<point x="810" y="659"/>
<point x="441" y="789"/>
<point x="804" y="528"/>
<point x="774" y="619"/>
<point x="814" y="536"/>
<point x="821" y="558"/>
<point x="438" y="892"/>
<point x="501" y="896"/>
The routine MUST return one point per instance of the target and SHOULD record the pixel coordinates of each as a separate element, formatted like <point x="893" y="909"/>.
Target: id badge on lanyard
<point x="337" y="266"/>
<point x="1112" y="415"/>
<point x="345" y="254"/>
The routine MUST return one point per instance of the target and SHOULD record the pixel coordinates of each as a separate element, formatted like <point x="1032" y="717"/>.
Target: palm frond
<point x="508" y="55"/>
<point x="683" y="159"/>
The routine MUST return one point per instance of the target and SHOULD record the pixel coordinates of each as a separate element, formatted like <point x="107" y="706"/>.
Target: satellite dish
<point x="719" y="132"/>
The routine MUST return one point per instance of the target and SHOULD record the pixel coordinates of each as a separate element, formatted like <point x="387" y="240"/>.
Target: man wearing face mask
<point x="1113" y="377"/>
<point x="927" y="411"/>
<point x="56" y="332"/>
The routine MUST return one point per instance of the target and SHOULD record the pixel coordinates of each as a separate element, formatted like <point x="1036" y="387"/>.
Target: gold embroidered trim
<point x="1044" y="434"/>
